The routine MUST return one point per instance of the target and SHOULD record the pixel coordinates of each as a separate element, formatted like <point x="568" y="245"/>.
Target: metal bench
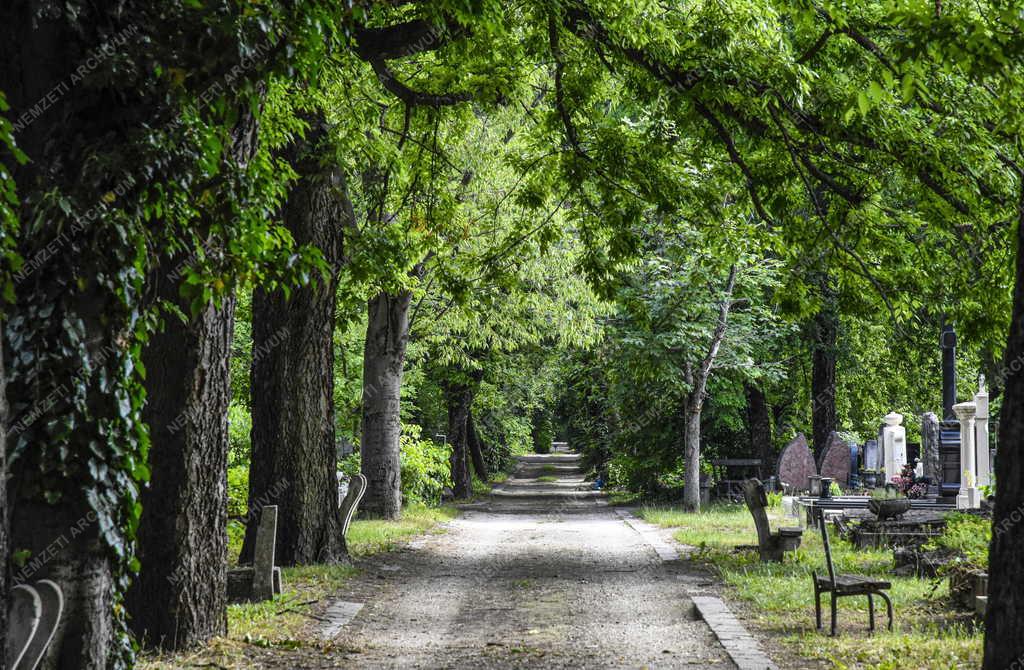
<point x="771" y="545"/>
<point x="846" y="585"/>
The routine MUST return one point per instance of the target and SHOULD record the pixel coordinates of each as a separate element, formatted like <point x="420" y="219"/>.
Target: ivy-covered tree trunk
<point x="294" y="454"/>
<point x="825" y="329"/>
<point x="759" y="426"/>
<point x="387" y="335"/>
<point x="179" y="598"/>
<point x="458" y="397"/>
<point x="476" y="449"/>
<point x="1004" y="615"/>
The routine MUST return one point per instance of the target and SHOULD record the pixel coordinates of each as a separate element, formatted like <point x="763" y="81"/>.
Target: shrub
<point x="425" y="468"/>
<point x="239" y="429"/>
<point x="238" y="490"/>
<point x="543" y="432"/>
<point x="968" y="536"/>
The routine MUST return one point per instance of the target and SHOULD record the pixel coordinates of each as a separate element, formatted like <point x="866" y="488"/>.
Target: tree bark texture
<point x="694" y="405"/>
<point x="759" y="427"/>
<point x="691" y="488"/>
<point x="387" y="335"/>
<point x="458" y="397"/>
<point x="1004" y="616"/>
<point x="294" y="452"/>
<point x="825" y="330"/>
<point x="5" y="517"/>
<point x="179" y="599"/>
<point x="476" y="449"/>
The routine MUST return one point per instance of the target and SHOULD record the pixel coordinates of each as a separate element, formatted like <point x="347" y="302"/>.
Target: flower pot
<point x="890" y="508"/>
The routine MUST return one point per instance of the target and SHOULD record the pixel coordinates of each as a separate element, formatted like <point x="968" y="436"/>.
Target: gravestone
<point x="835" y="460"/>
<point x="930" y="447"/>
<point x="871" y="455"/>
<point x="356" y="489"/>
<point x="262" y="579"/>
<point x="796" y="463"/>
<point x="26" y="609"/>
<point x="52" y="601"/>
<point x="263" y="556"/>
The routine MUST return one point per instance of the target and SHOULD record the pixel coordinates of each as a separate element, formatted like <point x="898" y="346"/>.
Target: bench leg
<point x="888" y="608"/>
<point x="834" y="599"/>
<point x="871" y="612"/>
<point x="817" y="607"/>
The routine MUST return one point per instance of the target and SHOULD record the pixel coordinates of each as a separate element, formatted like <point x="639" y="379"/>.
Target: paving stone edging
<point x="738" y="643"/>
<point x="741" y="646"/>
<point x="665" y="551"/>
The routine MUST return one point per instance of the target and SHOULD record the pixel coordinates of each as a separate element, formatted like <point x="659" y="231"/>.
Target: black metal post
<point x="948" y="343"/>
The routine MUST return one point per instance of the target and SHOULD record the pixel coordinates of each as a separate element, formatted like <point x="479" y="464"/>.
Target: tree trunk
<point x="458" y="397"/>
<point x="823" y="372"/>
<point x="294" y="452"/>
<point x="694" y="404"/>
<point x="179" y="598"/>
<point x="387" y="335"/>
<point x="5" y="510"/>
<point x="759" y="427"/>
<point x="691" y="489"/>
<point x="1004" y="615"/>
<point x="476" y="449"/>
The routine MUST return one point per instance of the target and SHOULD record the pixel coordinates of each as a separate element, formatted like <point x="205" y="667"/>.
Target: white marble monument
<point x="894" y="445"/>
<point x="968" y="495"/>
<point x="983" y="461"/>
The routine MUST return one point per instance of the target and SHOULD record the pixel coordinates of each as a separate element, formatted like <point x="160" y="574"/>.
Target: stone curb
<point x="739" y="644"/>
<point x="665" y="551"/>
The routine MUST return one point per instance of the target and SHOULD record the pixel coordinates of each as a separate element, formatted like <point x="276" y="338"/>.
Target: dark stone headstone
<point x="796" y="463"/>
<point x="930" y="446"/>
<point x="263" y="557"/>
<point x="871" y="456"/>
<point x="23" y="617"/>
<point x="835" y="461"/>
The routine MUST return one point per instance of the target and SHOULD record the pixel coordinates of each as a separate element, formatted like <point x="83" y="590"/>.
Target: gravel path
<point x="541" y="575"/>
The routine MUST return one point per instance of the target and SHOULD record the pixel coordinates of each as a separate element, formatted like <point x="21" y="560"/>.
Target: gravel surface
<point x="541" y="575"/>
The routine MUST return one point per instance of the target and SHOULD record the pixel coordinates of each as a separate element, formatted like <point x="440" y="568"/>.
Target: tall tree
<point x="387" y="337"/>
<point x="294" y="451"/>
<point x="824" y="338"/>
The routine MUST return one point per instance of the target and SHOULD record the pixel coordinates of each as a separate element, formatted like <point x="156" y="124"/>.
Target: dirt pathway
<point x="542" y="575"/>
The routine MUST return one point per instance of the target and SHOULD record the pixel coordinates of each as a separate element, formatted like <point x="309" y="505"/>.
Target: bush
<point x="238" y="490"/>
<point x="425" y="468"/>
<point x="543" y="432"/>
<point x="239" y="429"/>
<point x="968" y="536"/>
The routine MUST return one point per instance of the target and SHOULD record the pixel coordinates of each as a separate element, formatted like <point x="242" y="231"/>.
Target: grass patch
<point x="548" y="469"/>
<point x="279" y="623"/>
<point x="547" y="478"/>
<point x="781" y="596"/>
<point x="372" y="536"/>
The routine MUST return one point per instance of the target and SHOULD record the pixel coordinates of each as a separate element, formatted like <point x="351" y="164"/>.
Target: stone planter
<point x="889" y="509"/>
<point x="869" y="478"/>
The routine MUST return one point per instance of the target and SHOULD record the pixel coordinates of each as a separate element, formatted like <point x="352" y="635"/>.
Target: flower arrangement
<point x="907" y="483"/>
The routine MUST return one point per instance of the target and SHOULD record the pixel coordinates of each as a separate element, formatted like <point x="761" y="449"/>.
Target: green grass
<point x="547" y="478"/>
<point x="280" y="622"/>
<point x="372" y="536"/>
<point x="548" y="469"/>
<point x="780" y="596"/>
